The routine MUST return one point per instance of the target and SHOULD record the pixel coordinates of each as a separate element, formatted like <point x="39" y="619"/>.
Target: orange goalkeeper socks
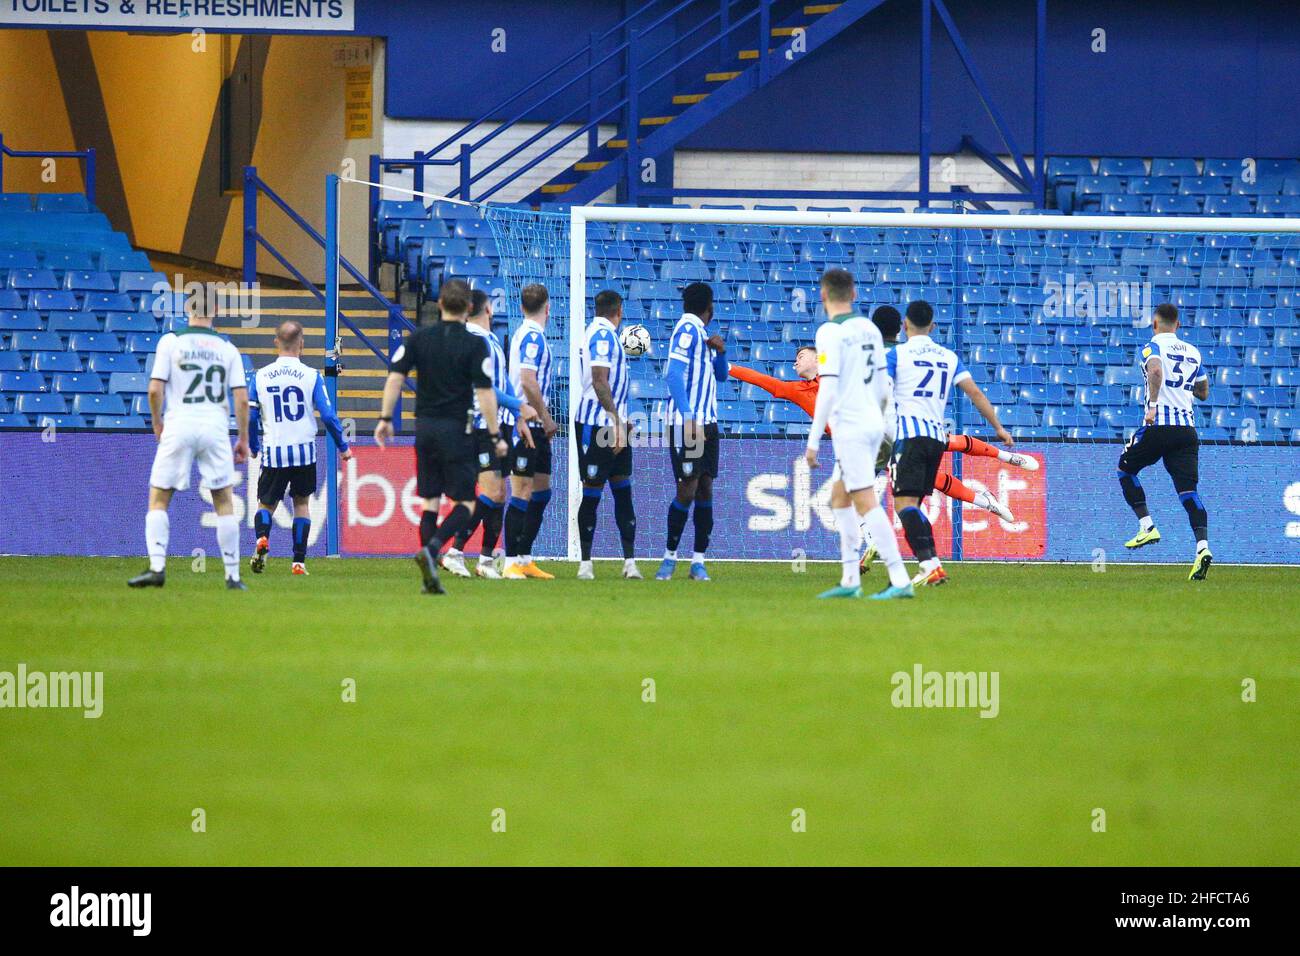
<point x="950" y="486"/>
<point x="971" y="446"/>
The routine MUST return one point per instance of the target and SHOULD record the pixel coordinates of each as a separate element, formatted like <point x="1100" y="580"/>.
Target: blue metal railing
<point x="628" y="86"/>
<point x="86" y="154"/>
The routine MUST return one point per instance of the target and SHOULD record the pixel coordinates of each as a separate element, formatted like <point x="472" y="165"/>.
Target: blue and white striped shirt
<point x="528" y="349"/>
<point x="287" y="395"/>
<point x="602" y="348"/>
<point x="690" y="346"/>
<point x="924" y="373"/>
<point x="1181" y="363"/>
<point x="500" y="377"/>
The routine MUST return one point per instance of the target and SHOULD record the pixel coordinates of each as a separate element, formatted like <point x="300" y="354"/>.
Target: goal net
<point x="1047" y="312"/>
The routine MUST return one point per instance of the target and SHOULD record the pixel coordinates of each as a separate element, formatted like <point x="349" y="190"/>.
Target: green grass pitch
<point x="1119" y="690"/>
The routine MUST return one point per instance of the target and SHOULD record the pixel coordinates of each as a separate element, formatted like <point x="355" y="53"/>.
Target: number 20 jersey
<point x="200" y="368"/>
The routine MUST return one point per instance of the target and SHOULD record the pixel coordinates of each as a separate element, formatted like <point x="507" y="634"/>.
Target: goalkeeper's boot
<point x="531" y="570"/>
<point x="299" y="568"/>
<point x="893" y="592"/>
<point x="257" y="563"/>
<point x="867" y="557"/>
<point x="234" y="584"/>
<point x="513" y="572"/>
<point x="840" y="591"/>
<point x="1140" y="540"/>
<point x="930" y="579"/>
<point x="586" y="572"/>
<point x="453" y="562"/>
<point x="149" y="579"/>
<point x="1027" y="462"/>
<point x="666" y="569"/>
<point x="699" y="572"/>
<point x="631" y="571"/>
<point x="428" y="566"/>
<point x="1201" y="566"/>
<point x="487" y="569"/>
<point x="986" y="501"/>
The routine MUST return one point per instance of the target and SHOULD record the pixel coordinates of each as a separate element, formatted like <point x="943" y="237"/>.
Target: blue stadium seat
<point x="40" y="403"/>
<point x="18" y="381"/>
<point x="129" y="382"/>
<point x="113" y="422"/>
<point x="36" y="342"/>
<point x="88" y="281"/>
<point x="56" y="362"/>
<point x="105" y="363"/>
<point x="1154" y="186"/>
<point x="29" y="279"/>
<point x="1174" y="167"/>
<point x="78" y="382"/>
<point x="11" y="362"/>
<point x="62" y="202"/>
<point x="134" y="282"/>
<point x="1229" y="206"/>
<point x="19" y="259"/>
<point x="1268" y="397"/>
<point x="108" y="302"/>
<point x="15" y="202"/>
<point x="1176" y="205"/>
<point x="66" y="323"/>
<point x="20" y="321"/>
<point x="1096" y="433"/>
<point x="1018" y="417"/>
<point x="11" y="300"/>
<point x="98" y="404"/>
<point x="1116" y="166"/>
<point x="1068" y="417"/>
<point x="94" y="342"/>
<point x="1286" y="378"/>
<point x="1124" y="204"/>
<point x="1269" y="357"/>
<point x="1072" y="375"/>
<point x="693" y="270"/>
<point x="1100" y="395"/>
<point x="1121" y="417"/>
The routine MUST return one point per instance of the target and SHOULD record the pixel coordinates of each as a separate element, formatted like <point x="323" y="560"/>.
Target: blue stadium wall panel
<point x="1186" y="78"/>
<point x="767" y="504"/>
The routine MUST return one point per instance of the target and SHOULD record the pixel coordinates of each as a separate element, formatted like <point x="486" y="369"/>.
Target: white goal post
<point x="580" y="216"/>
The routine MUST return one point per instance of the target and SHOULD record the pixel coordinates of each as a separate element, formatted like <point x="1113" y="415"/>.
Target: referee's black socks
<point x="919" y="533"/>
<point x="456" y="519"/>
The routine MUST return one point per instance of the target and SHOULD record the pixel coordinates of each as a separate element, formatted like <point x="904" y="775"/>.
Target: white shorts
<point x="855" y="459"/>
<point x="183" y="444"/>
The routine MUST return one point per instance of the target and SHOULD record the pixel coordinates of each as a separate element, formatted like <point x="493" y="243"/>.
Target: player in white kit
<point x="197" y="375"/>
<point x="852" y="398"/>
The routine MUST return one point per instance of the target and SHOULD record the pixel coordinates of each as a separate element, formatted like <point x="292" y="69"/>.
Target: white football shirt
<point x="851" y="350"/>
<point x="200" y="368"/>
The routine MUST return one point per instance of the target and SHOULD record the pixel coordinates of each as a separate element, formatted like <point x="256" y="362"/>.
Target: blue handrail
<point x="87" y="154"/>
<point x="254" y="186"/>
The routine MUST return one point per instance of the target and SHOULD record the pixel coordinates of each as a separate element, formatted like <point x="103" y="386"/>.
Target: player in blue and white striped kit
<point x="284" y="399"/>
<point x="1174" y="377"/>
<point x="693" y="375"/>
<point x="600" y="427"/>
<point x="924" y="373"/>
<point x="489" y="507"/>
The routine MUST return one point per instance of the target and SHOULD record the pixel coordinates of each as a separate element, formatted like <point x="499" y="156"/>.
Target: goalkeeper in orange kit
<point x="804" y="394"/>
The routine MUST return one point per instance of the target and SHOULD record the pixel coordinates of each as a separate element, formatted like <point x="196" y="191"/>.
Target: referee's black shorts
<point x="916" y="463"/>
<point x="446" y="461"/>
<point x="1176" y="445"/>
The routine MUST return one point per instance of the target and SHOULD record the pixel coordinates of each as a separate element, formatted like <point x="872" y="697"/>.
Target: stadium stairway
<point x="361" y="383"/>
<point x="718" y="89"/>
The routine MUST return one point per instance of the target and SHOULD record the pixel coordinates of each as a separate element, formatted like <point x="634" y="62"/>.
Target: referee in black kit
<point x="452" y="368"/>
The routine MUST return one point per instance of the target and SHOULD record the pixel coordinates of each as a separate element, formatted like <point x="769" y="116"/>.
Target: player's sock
<point x="301" y="532"/>
<point x="262" y="523"/>
<point x="492" y="519"/>
<point x="516" y="513"/>
<point x="228" y="542"/>
<point x="950" y="486"/>
<point x="1198" y="516"/>
<point x="1134" y="495"/>
<point x="846" y="519"/>
<point x="157" y="532"/>
<point x="703" y="525"/>
<point x="920" y="536"/>
<point x="625" y="515"/>
<point x="881" y="529"/>
<point x="973" y="446"/>
<point x="670" y="555"/>
<point x="428" y="526"/>
<point x="481" y="504"/>
<point x="533" y="519"/>
<point x="677" y="513"/>
<point x="697" y="557"/>
<point x="455" y="520"/>
<point x="1146" y="523"/>
<point x="587" y="520"/>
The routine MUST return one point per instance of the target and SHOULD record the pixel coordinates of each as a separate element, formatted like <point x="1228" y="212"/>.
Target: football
<point x="636" y="340"/>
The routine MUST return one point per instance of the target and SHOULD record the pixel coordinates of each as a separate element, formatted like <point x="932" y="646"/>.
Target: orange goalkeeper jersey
<point x="802" y="392"/>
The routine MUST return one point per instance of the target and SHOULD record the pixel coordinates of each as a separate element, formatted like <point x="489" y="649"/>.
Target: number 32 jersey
<point x="200" y="368"/>
<point x="1181" y="364"/>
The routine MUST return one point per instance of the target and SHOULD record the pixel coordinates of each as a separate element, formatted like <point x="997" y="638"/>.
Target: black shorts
<point x="446" y="462"/>
<point x="916" y="463"/>
<point x="487" y="452"/>
<point x="525" y="461"/>
<point x="596" y="459"/>
<point x="693" y="462"/>
<point x="298" y="480"/>
<point x="1176" y="445"/>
